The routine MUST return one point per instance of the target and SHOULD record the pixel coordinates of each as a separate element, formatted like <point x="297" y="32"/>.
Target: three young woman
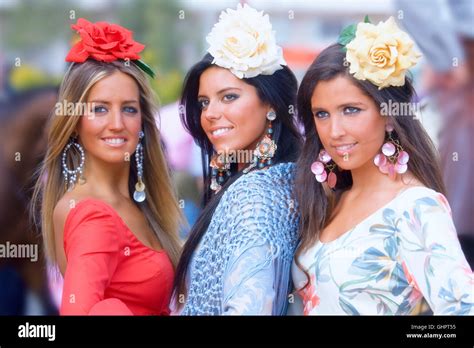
<point x="374" y="229"/>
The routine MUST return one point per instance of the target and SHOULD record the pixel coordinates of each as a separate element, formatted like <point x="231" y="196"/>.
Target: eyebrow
<point x="108" y="103"/>
<point x="317" y="108"/>
<point x="223" y="90"/>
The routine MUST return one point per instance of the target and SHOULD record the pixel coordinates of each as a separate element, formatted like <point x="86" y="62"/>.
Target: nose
<point x="212" y="112"/>
<point x="336" y="126"/>
<point x="116" y="120"/>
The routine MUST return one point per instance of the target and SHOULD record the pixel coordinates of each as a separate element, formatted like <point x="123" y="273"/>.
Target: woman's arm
<point x="262" y="226"/>
<point x="433" y="260"/>
<point x="248" y="286"/>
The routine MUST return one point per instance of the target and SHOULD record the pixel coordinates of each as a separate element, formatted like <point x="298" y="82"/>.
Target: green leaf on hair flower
<point x="347" y="35"/>
<point x="145" y="67"/>
<point x="366" y="19"/>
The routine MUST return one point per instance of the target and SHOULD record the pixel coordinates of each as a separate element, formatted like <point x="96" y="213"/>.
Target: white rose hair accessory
<point x="379" y="53"/>
<point x="243" y="42"/>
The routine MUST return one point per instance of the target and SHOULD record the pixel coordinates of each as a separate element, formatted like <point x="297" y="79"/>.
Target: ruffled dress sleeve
<point x="432" y="257"/>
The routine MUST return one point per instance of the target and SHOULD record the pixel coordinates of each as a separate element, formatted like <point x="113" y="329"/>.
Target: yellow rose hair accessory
<point x="243" y="42"/>
<point x="379" y="53"/>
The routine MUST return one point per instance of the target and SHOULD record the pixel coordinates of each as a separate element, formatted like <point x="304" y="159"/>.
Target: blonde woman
<point x="117" y="253"/>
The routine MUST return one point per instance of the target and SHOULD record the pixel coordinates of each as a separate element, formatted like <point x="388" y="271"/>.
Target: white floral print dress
<point x="405" y="252"/>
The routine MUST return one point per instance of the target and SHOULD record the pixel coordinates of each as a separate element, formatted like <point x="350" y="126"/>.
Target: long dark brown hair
<point x="317" y="201"/>
<point x="279" y="91"/>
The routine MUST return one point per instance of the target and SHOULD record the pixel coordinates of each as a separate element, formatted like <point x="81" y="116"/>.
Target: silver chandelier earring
<point x="139" y="195"/>
<point x="71" y="175"/>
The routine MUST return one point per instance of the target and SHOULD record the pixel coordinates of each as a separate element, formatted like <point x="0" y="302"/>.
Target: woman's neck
<point x="107" y="180"/>
<point x="369" y="178"/>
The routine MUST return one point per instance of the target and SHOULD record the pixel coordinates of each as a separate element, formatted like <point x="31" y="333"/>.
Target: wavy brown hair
<point x="317" y="201"/>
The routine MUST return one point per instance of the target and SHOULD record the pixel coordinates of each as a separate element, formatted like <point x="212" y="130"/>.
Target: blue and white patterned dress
<point x="243" y="262"/>
<point x="405" y="252"/>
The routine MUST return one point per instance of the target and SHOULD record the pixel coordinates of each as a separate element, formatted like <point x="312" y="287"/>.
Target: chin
<point x="352" y="164"/>
<point x="224" y="147"/>
<point x="348" y="165"/>
<point x="345" y="166"/>
<point x="115" y="158"/>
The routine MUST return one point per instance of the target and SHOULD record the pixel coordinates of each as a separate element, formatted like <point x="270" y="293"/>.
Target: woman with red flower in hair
<point x="109" y="216"/>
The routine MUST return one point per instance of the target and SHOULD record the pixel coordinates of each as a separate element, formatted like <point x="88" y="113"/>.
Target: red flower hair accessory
<point x="106" y="42"/>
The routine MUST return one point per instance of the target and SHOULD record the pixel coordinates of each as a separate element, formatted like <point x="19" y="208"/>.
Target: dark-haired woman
<point x="238" y="103"/>
<point x="377" y="235"/>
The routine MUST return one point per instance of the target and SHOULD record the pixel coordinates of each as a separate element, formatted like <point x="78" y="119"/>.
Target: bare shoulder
<point x="67" y="202"/>
<point x="61" y="211"/>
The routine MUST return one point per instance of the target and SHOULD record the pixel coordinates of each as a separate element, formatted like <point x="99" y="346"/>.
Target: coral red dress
<point x="109" y="271"/>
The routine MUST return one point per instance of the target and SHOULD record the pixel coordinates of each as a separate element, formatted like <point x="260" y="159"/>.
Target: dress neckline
<point x="117" y="215"/>
<point x="398" y="195"/>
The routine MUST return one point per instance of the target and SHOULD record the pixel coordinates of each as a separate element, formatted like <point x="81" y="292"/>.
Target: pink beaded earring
<point x="320" y="166"/>
<point x="393" y="158"/>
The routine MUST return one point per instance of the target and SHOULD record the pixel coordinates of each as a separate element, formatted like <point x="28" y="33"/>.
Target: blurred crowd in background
<point x="35" y="36"/>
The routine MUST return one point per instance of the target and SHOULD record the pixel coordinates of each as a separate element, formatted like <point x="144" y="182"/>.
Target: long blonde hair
<point x="160" y="207"/>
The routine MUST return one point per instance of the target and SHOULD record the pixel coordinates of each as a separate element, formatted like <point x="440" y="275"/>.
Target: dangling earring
<point x="393" y="158"/>
<point x="220" y="170"/>
<point x="139" y="195"/>
<point x="321" y="166"/>
<point x="70" y="176"/>
<point x="266" y="148"/>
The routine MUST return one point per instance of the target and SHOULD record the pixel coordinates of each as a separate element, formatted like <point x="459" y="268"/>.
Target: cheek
<point x="251" y="128"/>
<point x="373" y="131"/>
<point x="133" y="124"/>
<point x="90" y="127"/>
<point x="204" y="122"/>
<point x="322" y="131"/>
<point x="250" y="115"/>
